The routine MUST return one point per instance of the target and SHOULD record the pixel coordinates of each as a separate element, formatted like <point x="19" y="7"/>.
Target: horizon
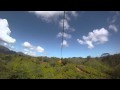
<point x="39" y="33"/>
<point x="60" y="57"/>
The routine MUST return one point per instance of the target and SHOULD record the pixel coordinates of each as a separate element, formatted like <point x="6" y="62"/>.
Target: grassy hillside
<point x="25" y="67"/>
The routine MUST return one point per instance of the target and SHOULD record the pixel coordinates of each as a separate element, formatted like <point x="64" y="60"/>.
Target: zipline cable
<point x="63" y="35"/>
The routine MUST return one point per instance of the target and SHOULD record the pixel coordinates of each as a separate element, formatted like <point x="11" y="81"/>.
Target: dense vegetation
<point x="20" y="66"/>
<point x="15" y="66"/>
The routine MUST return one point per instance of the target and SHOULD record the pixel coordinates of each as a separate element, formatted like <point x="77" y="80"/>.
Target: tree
<point x="105" y="54"/>
<point x="88" y="57"/>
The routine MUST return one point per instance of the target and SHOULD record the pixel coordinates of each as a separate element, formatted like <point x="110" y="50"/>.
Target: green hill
<point x="16" y="66"/>
<point x="5" y="50"/>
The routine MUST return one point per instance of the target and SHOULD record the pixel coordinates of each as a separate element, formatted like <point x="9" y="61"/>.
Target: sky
<point x="39" y="33"/>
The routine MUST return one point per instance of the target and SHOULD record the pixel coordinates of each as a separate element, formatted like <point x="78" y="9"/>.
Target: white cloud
<point x="65" y="35"/>
<point x="5" y="32"/>
<point x="50" y="15"/>
<point x="74" y="13"/>
<point x="90" y="45"/>
<point x="39" y="49"/>
<point x="12" y="47"/>
<point x="113" y="27"/>
<point x="113" y="20"/>
<point x="47" y="15"/>
<point x="114" y="17"/>
<point x="31" y="50"/>
<point x="27" y="45"/>
<point x="66" y="25"/>
<point x="98" y="36"/>
<point x="28" y="52"/>
<point x="80" y="41"/>
<point x="65" y="44"/>
<point x="56" y="15"/>
<point x="5" y="44"/>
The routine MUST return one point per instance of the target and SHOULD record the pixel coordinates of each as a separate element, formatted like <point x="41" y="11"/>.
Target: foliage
<point x="15" y="66"/>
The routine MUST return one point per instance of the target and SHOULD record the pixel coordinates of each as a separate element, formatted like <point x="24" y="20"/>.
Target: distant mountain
<point x="2" y="48"/>
<point x="5" y="50"/>
<point x="20" y="53"/>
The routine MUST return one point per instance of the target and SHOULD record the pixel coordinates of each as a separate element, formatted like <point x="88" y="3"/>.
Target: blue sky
<point x="38" y="33"/>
